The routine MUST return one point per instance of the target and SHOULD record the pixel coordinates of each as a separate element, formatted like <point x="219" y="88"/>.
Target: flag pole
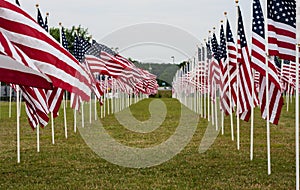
<point x="51" y="114"/>
<point x="10" y="94"/>
<point x="230" y="95"/>
<point x="198" y="74"/>
<point x="65" y="94"/>
<point x="297" y="116"/>
<point x="38" y="137"/>
<point x="222" y="111"/>
<point x="112" y="96"/>
<point x="52" y="128"/>
<point x="208" y="85"/>
<point x="204" y="81"/>
<point x="75" y="121"/>
<point x="238" y="94"/>
<point x="0" y="97"/>
<point x="82" y="114"/>
<point x="297" y="93"/>
<point x="20" y="102"/>
<point x="90" y="104"/>
<point x="18" y="124"/>
<point x="267" y="89"/>
<point x="95" y="108"/>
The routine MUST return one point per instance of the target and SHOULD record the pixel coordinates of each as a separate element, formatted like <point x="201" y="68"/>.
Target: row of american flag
<point x="44" y="69"/>
<point x="238" y="71"/>
<point x="243" y="77"/>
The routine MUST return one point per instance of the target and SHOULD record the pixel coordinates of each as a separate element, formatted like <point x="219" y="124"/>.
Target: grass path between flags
<point x="71" y="164"/>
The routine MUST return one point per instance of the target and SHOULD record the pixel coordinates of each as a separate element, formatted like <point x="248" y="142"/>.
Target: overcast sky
<point x="184" y="22"/>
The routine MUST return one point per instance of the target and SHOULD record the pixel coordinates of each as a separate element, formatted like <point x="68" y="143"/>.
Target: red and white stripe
<point x="17" y="68"/>
<point x="275" y="98"/>
<point x="49" y="56"/>
<point x="54" y="99"/>
<point x="245" y="78"/>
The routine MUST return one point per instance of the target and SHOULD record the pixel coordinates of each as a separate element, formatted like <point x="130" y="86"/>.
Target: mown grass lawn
<point x="71" y="164"/>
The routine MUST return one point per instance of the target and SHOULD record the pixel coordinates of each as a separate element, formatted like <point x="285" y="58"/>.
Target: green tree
<point x="70" y="35"/>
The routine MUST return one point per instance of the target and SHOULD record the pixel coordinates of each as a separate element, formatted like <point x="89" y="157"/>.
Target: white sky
<point x="102" y="18"/>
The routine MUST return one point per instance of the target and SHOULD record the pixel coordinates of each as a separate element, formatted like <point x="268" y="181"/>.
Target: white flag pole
<point x="65" y="94"/>
<point x="105" y="96"/>
<point x="18" y="124"/>
<point x="38" y="138"/>
<point x="20" y="102"/>
<point x="267" y="89"/>
<point x="52" y="128"/>
<point x="10" y="94"/>
<point x="199" y="75"/>
<point x="65" y="116"/>
<point x="95" y="108"/>
<point x="203" y="85"/>
<point x="75" y="121"/>
<point x="287" y="96"/>
<point x="82" y="114"/>
<point x="297" y="93"/>
<point x="216" y="108"/>
<point x="112" y="95"/>
<point x="0" y="97"/>
<point x="297" y="116"/>
<point x="208" y="84"/>
<point x="90" y="104"/>
<point x="238" y="100"/>
<point x="230" y="95"/>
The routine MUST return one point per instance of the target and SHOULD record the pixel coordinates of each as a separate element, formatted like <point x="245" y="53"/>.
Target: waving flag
<point x="246" y="98"/>
<point x="49" y="56"/>
<point x="39" y="19"/>
<point x="282" y="28"/>
<point x="225" y="98"/>
<point x="259" y="60"/>
<point x="232" y="62"/>
<point x="17" y="68"/>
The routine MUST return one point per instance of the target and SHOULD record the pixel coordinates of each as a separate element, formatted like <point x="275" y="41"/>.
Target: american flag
<point x="232" y="62"/>
<point x="17" y="2"/>
<point x="200" y="54"/>
<point x="282" y="28"/>
<point x="258" y="52"/>
<point x="15" y="66"/>
<point x="80" y="48"/>
<point x="46" y="23"/>
<point x="35" y="97"/>
<point x="214" y="68"/>
<point x="55" y="96"/>
<point x="105" y="61"/>
<point x="259" y="59"/>
<point x="49" y="56"/>
<point x="40" y="20"/>
<point x="208" y="50"/>
<point x="245" y="77"/>
<point x="36" y="106"/>
<point x="225" y="95"/>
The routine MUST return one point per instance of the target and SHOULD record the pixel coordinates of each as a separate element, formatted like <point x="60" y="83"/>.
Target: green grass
<point x="71" y="164"/>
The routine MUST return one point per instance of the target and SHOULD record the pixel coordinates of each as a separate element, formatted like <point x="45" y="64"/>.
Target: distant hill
<point x="164" y="72"/>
